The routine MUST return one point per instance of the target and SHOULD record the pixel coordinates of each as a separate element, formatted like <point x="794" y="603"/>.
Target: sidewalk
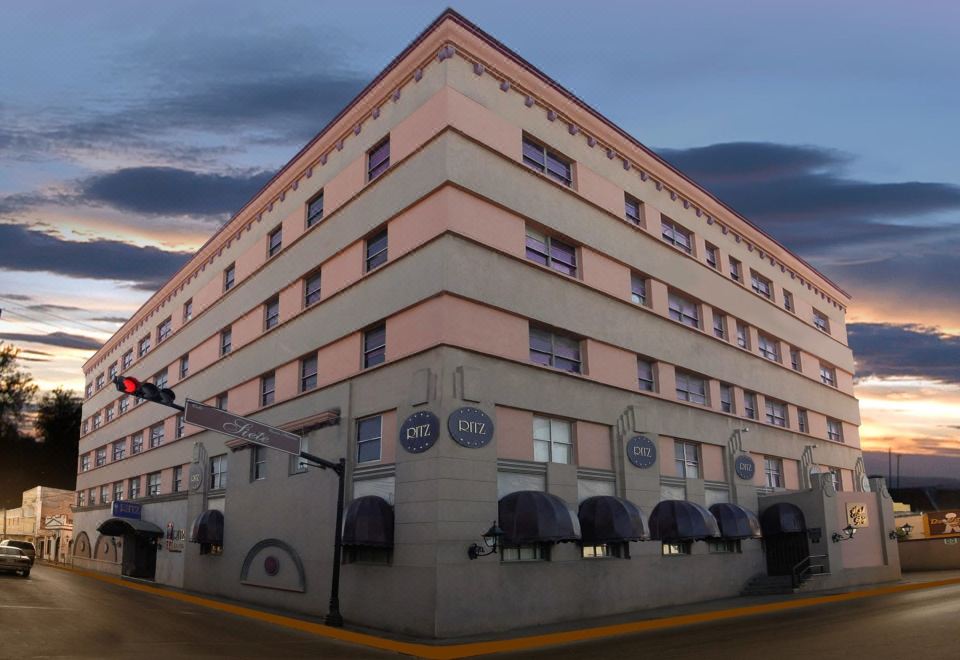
<point x="540" y="636"/>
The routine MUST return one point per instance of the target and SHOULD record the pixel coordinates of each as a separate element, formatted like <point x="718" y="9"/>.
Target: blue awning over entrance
<point x="735" y="522"/>
<point x="608" y="519"/>
<point x="532" y="516"/>
<point x="680" y="520"/>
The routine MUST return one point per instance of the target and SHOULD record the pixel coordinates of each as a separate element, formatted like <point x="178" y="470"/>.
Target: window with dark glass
<point x="548" y="162"/>
<point x="258" y="463"/>
<point x="117" y="491"/>
<point x="184" y="366"/>
<point x="750" y="405"/>
<point x="268" y="387"/>
<point x="618" y="550"/>
<point x="773" y="469"/>
<point x="821" y="322"/>
<point x="112" y="371"/>
<point x="229" y="277"/>
<point x="713" y="256"/>
<point x="136" y="443"/>
<point x="378" y="159"/>
<point x="92" y="494"/>
<point x="645" y="374"/>
<point x="179" y="427"/>
<point x="177" y="479"/>
<point x="308" y="373"/>
<point x="127" y="360"/>
<point x="676" y="235"/>
<point x="551" y="252"/>
<point x="311" y="289"/>
<point x="686" y="457"/>
<point x="525" y="552"/>
<point x="368" y="439"/>
<point x="376" y="250"/>
<point x="726" y="398"/>
<point x="101" y="381"/>
<point x="144" y="346"/>
<point x="101" y="456"/>
<point x="768" y="347"/>
<point x="274" y="241"/>
<point x="684" y="311"/>
<point x="156" y="435"/>
<point x="736" y="270"/>
<point x="743" y="335"/>
<point x="676" y="548"/>
<point x="160" y="379"/>
<point x="828" y="375"/>
<point x="221" y="401"/>
<point x="89" y="390"/>
<point x="271" y="312"/>
<point x="188" y="310"/>
<point x="638" y="288"/>
<point x="165" y="329"/>
<point x="723" y="546"/>
<point x="134" y="489"/>
<point x="124" y="404"/>
<point x="632" y="209"/>
<point x="834" y="430"/>
<point x="795" y="359"/>
<point x="776" y="413"/>
<point x="226" y="341"/>
<point x="97" y="421"/>
<point x="761" y="284"/>
<point x="153" y="483"/>
<point x="802" y="422"/>
<point x="375" y="346"/>
<point x="720" y="325"/>
<point x="691" y="388"/>
<point x="119" y="448"/>
<point x="553" y="349"/>
<point x="218" y="471"/>
<point x="109" y="413"/>
<point x="837" y="479"/>
<point x="315" y="210"/>
<point x="788" y="301"/>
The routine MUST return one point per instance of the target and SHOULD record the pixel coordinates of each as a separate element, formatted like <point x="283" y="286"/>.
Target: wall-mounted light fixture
<point x="845" y="534"/>
<point x="491" y="539"/>
<point x="901" y="532"/>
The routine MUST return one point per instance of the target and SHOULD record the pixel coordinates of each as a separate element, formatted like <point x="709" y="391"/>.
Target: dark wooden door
<point x="784" y="551"/>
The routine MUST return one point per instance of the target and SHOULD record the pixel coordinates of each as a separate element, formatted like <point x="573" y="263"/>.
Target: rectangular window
<point x="632" y="209"/>
<point x="743" y="335"/>
<point x="160" y="379"/>
<point x="85" y="426"/>
<point x="268" y="387"/>
<point x="768" y="347"/>
<point x="828" y="375"/>
<point x="315" y="210"/>
<point x="726" y="398"/>
<point x="677" y="548"/>
<point x="101" y="456"/>
<point x="676" y="235"/>
<point x="119" y="448"/>
<point x="795" y="359"/>
<point x="226" y="341"/>
<point x="834" y="430"/>
<point x="645" y="374"/>
<point x="547" y="161"/>
<point x="836" y="479"/>
<point x="156" y="435"/>
<point x="722" y="546"/>
<point x="97" y="421"/>
<point x="80" y="498"/>
<point x="165" y="329"/>
<point x="274" y="241"/>
<point x="802" y="422"/>
<point x="92" y="494"/>
<point x="144" y="346"/>
<point x="691" y="388"/>
<point x="153" y="483"/>
<point x="736" y="270"/>
<point x="638" y="288"/>
<point x="683" y="310"/>
<point x="136" y="443"/>
<point x="526" y="552"/>
<point x="378" y="159"/>
<point x="124" y="404"/>
<point x="117" y="491"/>
<point x="552" y="440"/>
<point x="551" y="252"/>
<point x="368" y="439"/>
<point x="258" y="463"/>
<point x="188" y="310"/>
<point x="750" y="405"/>
<point x="311" y="289"/>
<point x="89" y="390"/>
<point x="271" y="313"/>
<point x="308" y="373"/>
<point x="776" y="413"/>
<point x="184" y="366"/>
<point x="376" y="250"/>
<point x="221" y="401"/>
<point x="713" y="256"/>
<point x="134" y="489"/>
<point x="773" y="468"/>
<point x="375" y="346"/>
<point x="761" y="285"/>
<point x="686" y="457"/>
<point x="821" y="321"/>
<point x="127" y="360"/>
<point x="177" y="479"/>
<point x="229" y="277"/>
<point x="112" y="372"/>
<point x="720" y="326"/>
<point x="101" y="381"/>
<point x="109" y="413"/>
<point x="218" y="472"/>
<point x="788" y="301"/>
<point x="553" y="349"/>
<point x="179" y="427"/>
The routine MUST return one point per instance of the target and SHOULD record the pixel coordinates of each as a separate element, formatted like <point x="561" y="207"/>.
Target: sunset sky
<point x="129" y="131"/>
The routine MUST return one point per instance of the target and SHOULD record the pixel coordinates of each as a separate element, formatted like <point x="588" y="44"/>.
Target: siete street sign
<point x="223" y="421"/>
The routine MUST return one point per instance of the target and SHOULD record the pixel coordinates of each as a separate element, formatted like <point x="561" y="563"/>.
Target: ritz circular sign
<point x="470" y="427"/>
<point x="744" y="467"/>
<point x="419" y="432"/>
<point x="641" y="451"/>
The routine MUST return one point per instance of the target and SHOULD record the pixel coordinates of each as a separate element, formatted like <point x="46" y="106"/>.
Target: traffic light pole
<point x="333" y="619"/>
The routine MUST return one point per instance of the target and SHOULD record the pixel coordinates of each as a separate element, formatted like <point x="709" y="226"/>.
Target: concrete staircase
<point x="768" y="585"/>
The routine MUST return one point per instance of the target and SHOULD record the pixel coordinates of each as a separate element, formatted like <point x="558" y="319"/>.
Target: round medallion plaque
<point x="641" y="451"/>
<point x="470" y="427"/>
<point x="419" y="432"/>
<point x="744" y="466"/>
<point x="196" y="476"/>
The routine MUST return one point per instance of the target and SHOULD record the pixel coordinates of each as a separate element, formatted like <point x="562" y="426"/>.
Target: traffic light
<point x="146" y="391"/>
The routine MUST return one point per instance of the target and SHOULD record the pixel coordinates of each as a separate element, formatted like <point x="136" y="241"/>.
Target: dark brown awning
<point x="782" y="518"/>
<point x="368" y="522"/>
<point x="735" y="522"/>
<point x="680" y="520"/>
<point x="121" y="526"/>
<point x="608" y="519"/>
<point x="208" y="528"/>
<point x="532" y="516"/>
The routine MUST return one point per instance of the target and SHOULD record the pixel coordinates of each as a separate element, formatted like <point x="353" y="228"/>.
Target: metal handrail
<point x="799" y="572"/>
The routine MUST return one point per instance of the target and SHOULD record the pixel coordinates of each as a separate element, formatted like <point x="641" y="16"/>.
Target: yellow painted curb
<point x="452" y="651"/>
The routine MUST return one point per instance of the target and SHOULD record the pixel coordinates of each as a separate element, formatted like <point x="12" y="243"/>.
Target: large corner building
<point x="497" y="306"/>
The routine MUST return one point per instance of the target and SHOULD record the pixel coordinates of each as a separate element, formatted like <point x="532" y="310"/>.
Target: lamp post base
<point x="334" y="620"/>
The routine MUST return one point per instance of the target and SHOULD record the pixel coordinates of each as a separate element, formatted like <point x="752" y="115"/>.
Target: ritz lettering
<point x="746" y="467"/>
<point x="471" y="427"/>
<point x="419" y="431"/>
<point x="643" y="452"/>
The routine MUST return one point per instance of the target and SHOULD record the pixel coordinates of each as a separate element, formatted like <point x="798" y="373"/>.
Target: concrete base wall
<point x="929" y="555"/>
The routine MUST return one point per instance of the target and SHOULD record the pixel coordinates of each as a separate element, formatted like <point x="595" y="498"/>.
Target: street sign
<point x="223" y="421"/>
<point x="124" y="509"/>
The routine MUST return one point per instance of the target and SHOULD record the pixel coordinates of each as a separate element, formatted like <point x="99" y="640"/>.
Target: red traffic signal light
<point x="127" y="385"/>
<point x="146" y="391"/>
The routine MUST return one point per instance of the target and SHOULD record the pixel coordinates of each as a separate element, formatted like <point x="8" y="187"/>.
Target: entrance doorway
<point x="139" y="556"/>
<point x="784" y="551"/>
